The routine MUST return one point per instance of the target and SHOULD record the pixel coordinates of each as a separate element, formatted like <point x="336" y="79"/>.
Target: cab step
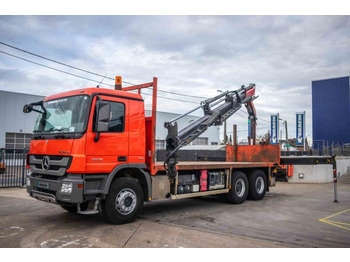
<point x="90" y="211"/>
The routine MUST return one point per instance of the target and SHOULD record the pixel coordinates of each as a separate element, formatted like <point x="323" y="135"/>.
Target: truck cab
<point x="83" y="140"/>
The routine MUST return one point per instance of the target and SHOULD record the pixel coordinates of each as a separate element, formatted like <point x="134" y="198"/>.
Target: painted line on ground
<point x="342" y="225"/>
<point x="336" y="214"/>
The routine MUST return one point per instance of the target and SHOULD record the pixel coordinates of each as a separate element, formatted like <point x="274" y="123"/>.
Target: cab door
<point x="112" y="148"/>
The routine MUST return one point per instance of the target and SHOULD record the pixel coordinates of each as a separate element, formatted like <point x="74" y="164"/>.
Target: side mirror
<point x="104" y="110"/>
<point x="27" y="108"/>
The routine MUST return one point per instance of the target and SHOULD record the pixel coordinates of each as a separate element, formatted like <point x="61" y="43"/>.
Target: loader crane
<point x="216" y="110"/>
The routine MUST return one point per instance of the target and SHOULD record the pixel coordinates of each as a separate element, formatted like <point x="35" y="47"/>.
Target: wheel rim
<point x="125" y="201"/>
<point x="259" y="185"/>
<point x="240" y="187"/>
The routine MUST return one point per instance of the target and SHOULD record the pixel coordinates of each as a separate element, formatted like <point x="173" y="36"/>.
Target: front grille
<point x="56" y="157"/>
<point x="50" y="177"/>
<point x="49" y="165"/>
<point x="52" y="157"/>
<point x="47" y="177"/>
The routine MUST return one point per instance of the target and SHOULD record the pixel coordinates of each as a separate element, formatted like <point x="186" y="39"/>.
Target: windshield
<point x="64" y="115"/>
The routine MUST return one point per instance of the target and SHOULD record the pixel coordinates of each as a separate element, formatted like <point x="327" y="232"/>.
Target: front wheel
<point x="124" y="201"/>
<point x="257" y="185"/>
<point x="239" y="188"/>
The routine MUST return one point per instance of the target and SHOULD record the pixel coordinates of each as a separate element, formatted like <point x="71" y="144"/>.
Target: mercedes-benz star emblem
<point x="45" y="164"/>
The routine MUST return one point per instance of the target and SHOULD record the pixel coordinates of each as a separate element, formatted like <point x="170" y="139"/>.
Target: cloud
<point x="195" y="55"/>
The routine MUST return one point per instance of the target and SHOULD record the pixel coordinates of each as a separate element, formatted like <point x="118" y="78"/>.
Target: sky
<point x="191" y="55"/>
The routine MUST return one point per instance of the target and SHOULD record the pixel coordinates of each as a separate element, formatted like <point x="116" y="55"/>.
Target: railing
<point x="14" y="171"/>
<point x="324" y="148"/>
<point x="321" y="150"/>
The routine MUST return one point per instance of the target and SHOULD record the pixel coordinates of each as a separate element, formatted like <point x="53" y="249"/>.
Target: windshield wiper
<point x="60" y="130"/>
<point x="37" y="134"/>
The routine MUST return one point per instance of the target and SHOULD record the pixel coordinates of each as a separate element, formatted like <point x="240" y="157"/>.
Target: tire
<point x="239" y="188"/>
<point x="257" y="185"/>
<point x="124" y="201"/>
<point x="73" y="208"/>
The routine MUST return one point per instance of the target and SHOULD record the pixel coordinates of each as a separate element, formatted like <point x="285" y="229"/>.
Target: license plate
<point x="44" y="184"/>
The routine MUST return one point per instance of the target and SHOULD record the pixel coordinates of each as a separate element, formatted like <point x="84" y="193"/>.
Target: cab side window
<point x="117" y="118"/>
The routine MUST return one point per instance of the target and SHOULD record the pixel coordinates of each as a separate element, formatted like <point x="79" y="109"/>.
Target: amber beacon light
<point x="118" y="83"/>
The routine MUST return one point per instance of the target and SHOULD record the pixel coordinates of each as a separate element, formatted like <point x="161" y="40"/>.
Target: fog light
<point x="28" y="181"/>
<point x="67" y="188"/>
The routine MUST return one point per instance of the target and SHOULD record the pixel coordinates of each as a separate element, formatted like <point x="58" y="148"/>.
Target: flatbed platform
<point x="215" y="165"/>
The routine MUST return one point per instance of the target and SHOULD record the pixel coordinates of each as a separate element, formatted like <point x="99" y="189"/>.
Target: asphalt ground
<point x="290" y="215"/>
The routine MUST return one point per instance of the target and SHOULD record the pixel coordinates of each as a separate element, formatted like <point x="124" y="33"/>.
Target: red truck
<point x="93" y="150"/>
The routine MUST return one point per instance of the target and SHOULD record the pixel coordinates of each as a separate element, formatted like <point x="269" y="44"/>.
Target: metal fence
<point x="14" y="168"/>
<point x="335" y="150"/>
<point x="322" y="147"/>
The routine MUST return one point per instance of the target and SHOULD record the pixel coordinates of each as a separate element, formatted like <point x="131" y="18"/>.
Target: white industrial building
<point x="16" y="127"/>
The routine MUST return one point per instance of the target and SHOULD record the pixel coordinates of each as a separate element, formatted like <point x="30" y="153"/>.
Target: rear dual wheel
<point x="257" y="185"/>
<point x="254" y="187"/>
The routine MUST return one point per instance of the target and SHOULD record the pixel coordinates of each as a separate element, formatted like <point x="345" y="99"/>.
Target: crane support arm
<point x="216" y="110"/>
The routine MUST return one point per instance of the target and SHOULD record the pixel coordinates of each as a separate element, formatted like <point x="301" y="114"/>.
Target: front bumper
<point x="49" y="190"/>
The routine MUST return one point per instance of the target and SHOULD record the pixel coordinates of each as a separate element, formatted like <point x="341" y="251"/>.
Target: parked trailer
<point x="93" y="150"/>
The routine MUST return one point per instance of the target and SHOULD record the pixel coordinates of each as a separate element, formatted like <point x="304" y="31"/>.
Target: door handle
<point x="122" y="158"/>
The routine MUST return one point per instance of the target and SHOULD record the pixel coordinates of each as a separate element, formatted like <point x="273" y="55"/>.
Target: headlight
<point x="67" y="188"/>
<point x="28" y="181"/>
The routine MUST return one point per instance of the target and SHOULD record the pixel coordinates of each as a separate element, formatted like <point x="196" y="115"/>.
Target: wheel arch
<point x="132" y="171"/>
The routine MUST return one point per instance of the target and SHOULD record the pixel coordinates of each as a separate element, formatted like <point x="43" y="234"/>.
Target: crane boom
<point x="216" y="111"/>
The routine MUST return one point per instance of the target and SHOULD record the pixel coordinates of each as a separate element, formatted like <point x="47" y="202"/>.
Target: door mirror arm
<point x="97" y="137"/>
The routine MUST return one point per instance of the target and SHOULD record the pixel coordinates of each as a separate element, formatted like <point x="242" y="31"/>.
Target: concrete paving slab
<point x="152" y="234"/>
<point x="289" y="216"/>
<point x="30" y="223"/>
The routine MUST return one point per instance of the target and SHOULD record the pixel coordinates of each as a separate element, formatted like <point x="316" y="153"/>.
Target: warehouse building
<point x="331" y="111"/>
<point x="16" y="128"/>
